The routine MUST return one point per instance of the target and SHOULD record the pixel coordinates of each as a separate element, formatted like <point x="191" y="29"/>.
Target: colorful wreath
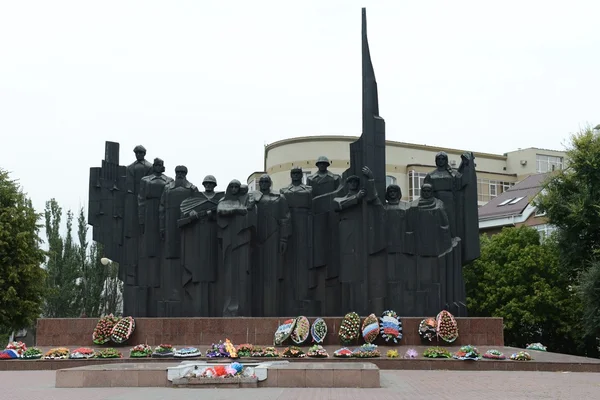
<point x="18" y="347"/>
<point x="9" y="355"/>
<point x="140" y="351"/>
<point x="82" y="352"/>
<point x="391" y="326"/>
<point x="437" y="352"/>
<point x="317" y="351"/>
<point x="447" y="328"/>
<point x="258" y="351"/>
<point x="293" y="352"/>
<point x="467" y="353"/>
<point x="370" y="328"/>
<point x="217" y="350"/>
<point x="428" y="329"/>
<point x="104" y="327"/>
<point x="318" y="330"/>
<point x="187" y="352"/>
<point x="536" y="346"/>
<point x="57" y="353"/>
<point x="301" y="330"/>
<point x="123" y="330"/>
<point x="32" y="353"/>
<point x="521" y="356"/>
<point x="344" y="352"/>
<point x="163" y="351"/>
<point x="244" y="350"/>
<point x="109" y="353"/>
<point x="494" y="354"/>
<point x="349" y="328"/>
<point x="284" y="331"/>
<point x="367" y="350"/>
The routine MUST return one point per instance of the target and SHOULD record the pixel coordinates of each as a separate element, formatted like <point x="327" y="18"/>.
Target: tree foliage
<point x="22" y="280"/>
<point x="519" y="279"/>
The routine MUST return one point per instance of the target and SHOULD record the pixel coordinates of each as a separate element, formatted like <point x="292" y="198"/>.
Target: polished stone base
<point x="259" y="331"/>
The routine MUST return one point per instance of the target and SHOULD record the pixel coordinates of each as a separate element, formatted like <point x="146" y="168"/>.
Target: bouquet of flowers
<point x="230" y="348"/>
<point x="532" y="346"/>
<point x="32" y="353"/>
<point x="82" y="352"/>
<point x="317" y="351"/>
<point x="258" y="351"/>
<point x="494" y="355"/>
<point x="411" y="353"/>
<point x="293" y="352"/>
<point x="58" y="353"/>
<point x="391" y="326"/>
<point x="217" y="350"/>
<point x="18" y="347"/>
<point x="284" y="331"/>
<point x="437" y="352"/>
<point x="123" y="330"/>
<point x="366" y="351"/>
<point x="428" y="329"/>
<point x="349" y="328"/>
<point x="392" y="354"/>
<point x="301" y="330"/>
<point x="163" y="351"/>
<point x="140" y="351"/>
<point x="318" y="330"/>
<point x="467" y="353"/>
<point x="521" y="356"/>
<point x="109" y="353"/>
<point x="447" y="328"/>
<point x="344" y="352"/>
<point x="103" y="329"/>
<point x="244" y="350"/>
<point x="187" y="352"/>
<point x="370" y="328"/>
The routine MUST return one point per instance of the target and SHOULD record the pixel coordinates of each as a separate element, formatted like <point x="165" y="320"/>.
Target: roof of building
<point x="514" y="200"/>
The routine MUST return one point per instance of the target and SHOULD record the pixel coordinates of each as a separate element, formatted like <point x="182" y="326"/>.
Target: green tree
<point x="571" y="200"/>
<point x="64" y="292"/>
<point x="519" y="279"/>
<point x="22" y="280"/>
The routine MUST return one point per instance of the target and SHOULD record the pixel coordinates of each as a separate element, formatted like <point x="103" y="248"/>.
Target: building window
<point x="415" y="180"/>
<point x="390" y="180"/>
<point x="252" y="185"/>
<point x="493" y="189"/>
<point x="546" y="163"/>
<point x="488" y="189"/>
<point x="544" y="230"/>
<point x="305" y="175"/>
<point x="539" y="213"/>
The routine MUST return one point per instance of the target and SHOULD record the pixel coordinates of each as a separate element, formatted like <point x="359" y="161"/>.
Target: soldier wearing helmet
<point x="323" y="181"/>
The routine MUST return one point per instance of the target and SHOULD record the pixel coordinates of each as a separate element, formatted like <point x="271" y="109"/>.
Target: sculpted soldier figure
<point x="325" y="185"/>
<point x="361" y="244"/>
<point x="169" y="213"/>
<point x="236" y="219"/>
<point x="272" y="231"/>
<point x="200" y="251"/>
<point x="151" y="190"/>
<point x="299" y="275"/>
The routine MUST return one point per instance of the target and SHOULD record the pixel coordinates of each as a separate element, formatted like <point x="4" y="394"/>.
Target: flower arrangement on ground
<point x="18" y="347"/>
<point x="317" y="351"/>
<point x="230" y="348"/>
<point x="437" y="352"/>
<point x="163" y="350"/>
<point x="391" y="326"/>
<point x="521" y="356"/>
<point x="293" y="352"/>
<point x="392" y="354"/>
<point x="244" y="350"/>
<point x="467" y="353"/>
<point x="301" y="330"/>
<point x="122" y="330"/>
<point x="284" y="331"/>
<point x="140" y="351"/>
<point x="447" y="328"/>
<point x="57" y="353"/>
<point x="428" y="329"/>
<point x="370" y="328"/>
<point x="270" y="351"/>
<point x="344" y="352"/>
<point x="349" y="328"/>
<point x="536" y="346"/>
<point x="494" y="354"/>
<point x="217" y="350"/>
<point x="32" y="353"/>
<point x="318" y="330"/>
<point x="187" y="352"/>
<point x="109" y="353"/>
<point x="9" y="355"/>
<point x="82" y="352"/>
<point x="411" y="353"/>
<point x="103" y="329"/>
<point x="367" y="350"/>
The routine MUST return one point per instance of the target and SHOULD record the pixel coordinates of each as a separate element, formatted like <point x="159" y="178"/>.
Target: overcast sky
<point x="208" y="84"/>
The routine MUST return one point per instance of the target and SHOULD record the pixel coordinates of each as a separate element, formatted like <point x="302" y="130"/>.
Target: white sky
<point x="208" y="84"/>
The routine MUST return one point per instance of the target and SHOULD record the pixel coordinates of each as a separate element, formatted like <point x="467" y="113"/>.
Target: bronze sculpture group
<point x="333" y="245"/>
